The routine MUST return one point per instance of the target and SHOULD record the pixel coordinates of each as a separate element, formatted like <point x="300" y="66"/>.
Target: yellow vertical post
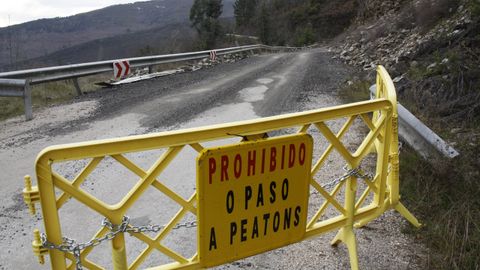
<point x="51" y="220"/>
<point x="393" y="177"/>
<point x="383" y="155"/>
<point x="383" y="169"/>
<point x="119" y="253"/>
<point x="346" y="233"/>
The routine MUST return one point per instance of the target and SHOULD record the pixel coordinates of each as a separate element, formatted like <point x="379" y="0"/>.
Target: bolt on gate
<point x="269" y="188"/>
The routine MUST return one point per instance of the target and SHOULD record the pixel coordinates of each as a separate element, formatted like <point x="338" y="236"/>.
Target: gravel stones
<point x="385" y="43"/>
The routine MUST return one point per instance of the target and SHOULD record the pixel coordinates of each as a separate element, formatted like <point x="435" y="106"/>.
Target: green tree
<point x="204" y="16"/>
<point x="305" y="36"/>
<point x="264" y="25"/>
<point x="244" y="11"/>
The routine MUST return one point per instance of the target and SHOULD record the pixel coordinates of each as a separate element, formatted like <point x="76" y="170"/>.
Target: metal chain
<point x="349" y="172"/>
<point x="362" y="175"/>
<point x="70" y="245"/>
<point x="400" y="146"/>
<point x="340" y="179"/>
<point x="355" y="172"/>
<point x="188" y="224"/>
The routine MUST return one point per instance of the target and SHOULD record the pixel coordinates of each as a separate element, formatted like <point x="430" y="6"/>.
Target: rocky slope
<point x="431" y="48"/>
<point x="395" y="37"/>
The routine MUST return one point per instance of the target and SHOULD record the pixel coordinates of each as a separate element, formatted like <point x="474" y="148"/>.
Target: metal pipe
<point x="12" y="82"/>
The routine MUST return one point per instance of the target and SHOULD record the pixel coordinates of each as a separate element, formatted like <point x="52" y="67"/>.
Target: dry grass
<point x="443" y="193"/>
<point x="445" y="197"/>
<point x="63" y="91"/>
<point x="428" y="12"/>
<point x="49" y="94"/>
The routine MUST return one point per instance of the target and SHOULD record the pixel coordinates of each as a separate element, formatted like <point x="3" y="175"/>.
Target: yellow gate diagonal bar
<point x="370" y="187"/>
<point x="81" y="195"/>
<point x="335" y="142"/>
<point x="127" y="163"/>
<point x="161" y="187"/>
<point x="371" y="126"/>
<point x="326" y="226"/>
<point x="304" y="128"/>
<point x="176" y="219"/>
<point x="155" y="242"/>
<point x="322" y="208"/>
<point x="339" y="135"/>
<point x="327" y="196"/>
<point x="370" y="139"/>
<point x="197" y="147"/>
<point x="146" y="181"/>
<point x="79" y="179"/>
<point x="174" y="196"/>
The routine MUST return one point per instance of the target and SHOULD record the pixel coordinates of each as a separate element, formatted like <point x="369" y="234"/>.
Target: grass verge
<point x="443" y="193"/>
<point x="47" y="94"/>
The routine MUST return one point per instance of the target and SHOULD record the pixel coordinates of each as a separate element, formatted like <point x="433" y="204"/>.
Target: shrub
<point x="428" y="12"/>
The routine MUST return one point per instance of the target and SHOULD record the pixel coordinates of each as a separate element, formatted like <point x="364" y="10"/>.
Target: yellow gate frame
<point x="380" y="115"/>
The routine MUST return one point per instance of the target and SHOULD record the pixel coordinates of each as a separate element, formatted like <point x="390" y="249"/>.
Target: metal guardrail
<point x="58" y="73"/>
<point x="418" y="135"/>
<point x="18" y="88"/>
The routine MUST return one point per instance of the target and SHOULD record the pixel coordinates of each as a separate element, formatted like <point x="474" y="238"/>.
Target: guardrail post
<point x="150" y="69"/>
<point x="27" y="100"/>
<point x="77" y="86"/>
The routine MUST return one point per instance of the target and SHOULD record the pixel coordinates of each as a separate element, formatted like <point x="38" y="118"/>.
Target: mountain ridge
<point x="42" y="37"/>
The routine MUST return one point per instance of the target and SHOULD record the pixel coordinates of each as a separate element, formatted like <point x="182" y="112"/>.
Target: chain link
<point x="70" y="245"/>
<point x="357" y="172"/>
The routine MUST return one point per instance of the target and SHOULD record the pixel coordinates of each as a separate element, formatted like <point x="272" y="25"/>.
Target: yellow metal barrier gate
<point x="380" y="190"/>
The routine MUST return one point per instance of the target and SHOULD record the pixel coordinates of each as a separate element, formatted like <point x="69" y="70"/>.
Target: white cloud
<point x="18" y="11"/>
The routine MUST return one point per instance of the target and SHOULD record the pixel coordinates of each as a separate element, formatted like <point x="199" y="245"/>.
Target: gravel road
<point x="258" y="86"/>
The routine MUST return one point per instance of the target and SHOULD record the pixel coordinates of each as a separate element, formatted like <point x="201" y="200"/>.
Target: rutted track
<point x="254" y="87"/>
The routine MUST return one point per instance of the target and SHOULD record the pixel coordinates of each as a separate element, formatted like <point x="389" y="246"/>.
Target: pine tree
<point x="204" y="16"/>
<point x="264" y="27"/>
<point x="244" y="11"/>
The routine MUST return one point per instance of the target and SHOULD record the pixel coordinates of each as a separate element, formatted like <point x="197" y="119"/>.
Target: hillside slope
<point x="432" y="50"/>
<point x="160" y="40"/>
<point x="46" y="36"/>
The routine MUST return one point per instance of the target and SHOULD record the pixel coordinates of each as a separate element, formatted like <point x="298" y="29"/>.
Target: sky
<point x="19" y="11"/>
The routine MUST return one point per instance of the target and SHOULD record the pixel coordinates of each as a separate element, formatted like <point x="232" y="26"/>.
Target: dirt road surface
<point x="258" y="86"/>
